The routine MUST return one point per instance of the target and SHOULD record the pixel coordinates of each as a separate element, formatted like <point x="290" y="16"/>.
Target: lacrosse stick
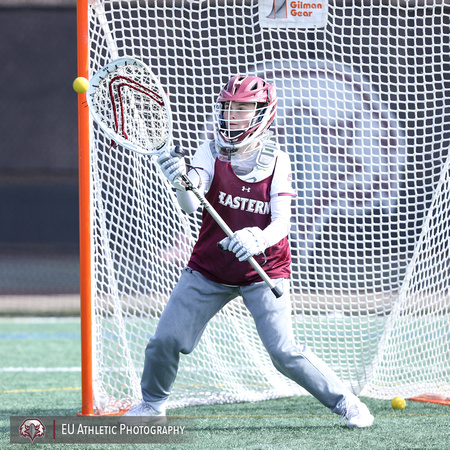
<point x="129" y="104"/>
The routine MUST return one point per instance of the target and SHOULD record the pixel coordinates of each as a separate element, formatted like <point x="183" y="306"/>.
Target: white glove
<point x="245" y="243"/>
<point x="173" y="166"/>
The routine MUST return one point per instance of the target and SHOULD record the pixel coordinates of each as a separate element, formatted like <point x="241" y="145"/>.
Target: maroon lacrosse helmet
<point x="247" y="89"/>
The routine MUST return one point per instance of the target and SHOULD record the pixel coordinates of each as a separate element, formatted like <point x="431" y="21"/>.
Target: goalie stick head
<point x="130" y="106"/>
<point x="243" y="90"/>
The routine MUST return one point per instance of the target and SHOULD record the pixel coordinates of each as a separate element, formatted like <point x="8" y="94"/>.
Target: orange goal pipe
<point x="87" y="397"/>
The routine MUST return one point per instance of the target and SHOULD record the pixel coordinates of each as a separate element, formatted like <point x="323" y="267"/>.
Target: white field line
<point x="39" y="320"/>
<point x="40" y="369"/>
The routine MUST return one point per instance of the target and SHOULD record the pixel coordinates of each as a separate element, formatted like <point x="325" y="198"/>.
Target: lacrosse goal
<point x="364" y="115"/>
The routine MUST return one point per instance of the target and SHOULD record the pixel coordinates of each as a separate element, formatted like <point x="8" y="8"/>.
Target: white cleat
<point x="358" y="414"/>
<point x="144" y="413"/>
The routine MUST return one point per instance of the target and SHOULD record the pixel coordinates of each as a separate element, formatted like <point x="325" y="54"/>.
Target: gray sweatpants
<point x="195" y="300"/>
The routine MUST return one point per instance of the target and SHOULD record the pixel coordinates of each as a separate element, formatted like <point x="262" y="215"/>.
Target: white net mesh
<point x="364" y="115"/>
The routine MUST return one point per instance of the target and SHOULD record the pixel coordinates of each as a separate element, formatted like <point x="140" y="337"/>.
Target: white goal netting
<point x="364" y="113"/>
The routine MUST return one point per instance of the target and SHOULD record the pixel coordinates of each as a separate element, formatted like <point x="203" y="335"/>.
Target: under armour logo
<point x="245" y="189"/>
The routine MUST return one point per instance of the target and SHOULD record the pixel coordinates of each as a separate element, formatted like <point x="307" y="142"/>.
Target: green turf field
<point x="40" y="376"/>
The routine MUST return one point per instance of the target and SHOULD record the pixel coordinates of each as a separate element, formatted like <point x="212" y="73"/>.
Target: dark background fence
<point x="39" y="154"/>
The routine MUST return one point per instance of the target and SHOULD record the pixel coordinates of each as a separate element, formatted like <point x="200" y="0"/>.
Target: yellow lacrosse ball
<point x="80" y="85"/>
<point x="398" y="403"/>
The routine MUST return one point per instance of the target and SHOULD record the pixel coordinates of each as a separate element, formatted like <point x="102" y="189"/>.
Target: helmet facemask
<point x="236" y="130"/>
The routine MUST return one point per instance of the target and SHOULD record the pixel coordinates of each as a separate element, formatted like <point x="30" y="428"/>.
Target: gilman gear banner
<point x="293" y="14"/>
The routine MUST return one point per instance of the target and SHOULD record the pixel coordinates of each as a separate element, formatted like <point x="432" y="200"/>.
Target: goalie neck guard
<point x="243" y="89"/>
<point x="252" y="166"/>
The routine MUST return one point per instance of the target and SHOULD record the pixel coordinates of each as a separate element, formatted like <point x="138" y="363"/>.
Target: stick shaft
<point x="227" y="230"/>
